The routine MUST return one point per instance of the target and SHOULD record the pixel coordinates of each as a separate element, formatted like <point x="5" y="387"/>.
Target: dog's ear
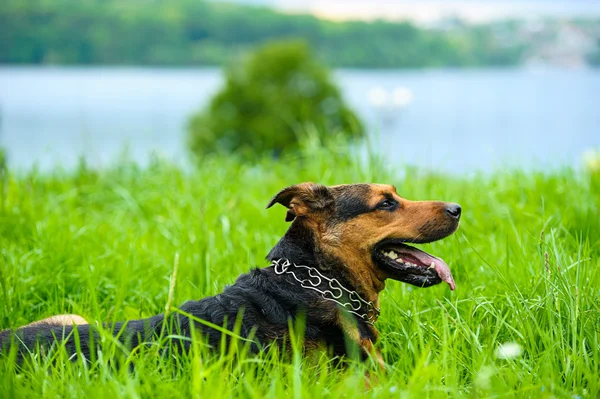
<point x="303" y="199"/>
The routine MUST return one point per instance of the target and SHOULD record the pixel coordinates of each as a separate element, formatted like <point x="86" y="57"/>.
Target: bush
<point x="593" y="58"/>
<point x="268" y="102"/>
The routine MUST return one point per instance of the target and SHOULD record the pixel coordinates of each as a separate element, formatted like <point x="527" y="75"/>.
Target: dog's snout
<point x="453" y="210"/>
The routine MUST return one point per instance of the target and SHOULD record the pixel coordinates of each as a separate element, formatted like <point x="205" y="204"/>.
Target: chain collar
<point x="335" y="293"/>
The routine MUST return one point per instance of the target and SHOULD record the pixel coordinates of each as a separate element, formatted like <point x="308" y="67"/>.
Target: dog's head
<point x="364" y="229"/>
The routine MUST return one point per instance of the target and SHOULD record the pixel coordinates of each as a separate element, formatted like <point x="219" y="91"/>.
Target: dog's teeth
<point x="432" y="266"/>
<point x="399" y="260"/>
<point x="391" y="255"/>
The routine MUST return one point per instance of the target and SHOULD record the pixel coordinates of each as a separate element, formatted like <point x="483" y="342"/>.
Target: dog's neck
<point x="297" y="245"/>
<point x="300" y="247"/>
<point x="330" y="289"/>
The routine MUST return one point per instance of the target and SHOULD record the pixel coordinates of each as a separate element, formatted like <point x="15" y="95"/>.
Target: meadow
<point x="103" y="244"/>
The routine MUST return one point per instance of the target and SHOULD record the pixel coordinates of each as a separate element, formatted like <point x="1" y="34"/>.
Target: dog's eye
<point x="387" y="204"/>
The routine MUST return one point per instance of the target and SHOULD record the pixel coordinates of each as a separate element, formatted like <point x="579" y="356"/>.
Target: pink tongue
<point x="442" y="269"/>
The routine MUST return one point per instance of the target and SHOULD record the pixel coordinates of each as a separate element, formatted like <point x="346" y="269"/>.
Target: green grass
<point x="102" y="244"/>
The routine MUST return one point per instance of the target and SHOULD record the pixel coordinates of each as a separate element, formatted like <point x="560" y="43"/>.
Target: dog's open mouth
<point x="411" y="265"/>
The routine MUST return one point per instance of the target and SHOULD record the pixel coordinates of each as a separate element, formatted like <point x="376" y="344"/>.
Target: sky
<point x="425" y="11"/>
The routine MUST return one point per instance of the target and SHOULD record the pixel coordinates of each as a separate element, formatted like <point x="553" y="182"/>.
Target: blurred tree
<point x="593" y="58"/>
<point x="269" y="100"/>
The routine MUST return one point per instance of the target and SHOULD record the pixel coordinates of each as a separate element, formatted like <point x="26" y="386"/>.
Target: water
<point x="456" y="121"/>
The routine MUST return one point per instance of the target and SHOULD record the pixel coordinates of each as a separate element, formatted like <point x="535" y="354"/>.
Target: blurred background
<point x="452" y="86"/>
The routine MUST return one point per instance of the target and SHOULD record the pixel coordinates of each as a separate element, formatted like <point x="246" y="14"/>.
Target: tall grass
<point x="103" y="244"/>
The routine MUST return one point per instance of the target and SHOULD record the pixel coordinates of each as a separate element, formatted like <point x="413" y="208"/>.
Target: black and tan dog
<point x="343" y="243"/>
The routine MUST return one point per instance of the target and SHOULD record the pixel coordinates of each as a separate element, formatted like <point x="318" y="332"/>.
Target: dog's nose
<point x="453" y="210"/>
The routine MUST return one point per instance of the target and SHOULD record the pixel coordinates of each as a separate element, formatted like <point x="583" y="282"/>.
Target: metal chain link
<point x="315" y="279"/>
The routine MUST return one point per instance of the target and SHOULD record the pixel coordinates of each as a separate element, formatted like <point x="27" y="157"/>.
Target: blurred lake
<point x="455" y="121"/>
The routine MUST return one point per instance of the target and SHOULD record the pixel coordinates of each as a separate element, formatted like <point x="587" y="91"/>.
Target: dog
<point x="343" y="243"/>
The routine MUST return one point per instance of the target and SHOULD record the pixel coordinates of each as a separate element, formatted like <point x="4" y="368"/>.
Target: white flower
<point x="509" y="350"/>
<point x="591" y="160"/>
<point x="483" y="379"/>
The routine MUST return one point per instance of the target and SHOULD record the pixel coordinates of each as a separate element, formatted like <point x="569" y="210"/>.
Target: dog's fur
<point x="336" y="230"/>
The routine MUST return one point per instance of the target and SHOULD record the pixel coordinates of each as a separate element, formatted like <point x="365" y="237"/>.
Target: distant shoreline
<point x="179" y="33"/>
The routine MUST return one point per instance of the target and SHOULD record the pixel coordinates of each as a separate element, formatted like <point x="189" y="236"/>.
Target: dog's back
<point x="261" y="301"/>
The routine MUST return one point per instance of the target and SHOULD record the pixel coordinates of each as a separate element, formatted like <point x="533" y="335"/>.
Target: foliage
<point x="192" y="32"/>
<point x="2" y="160"/>
<point x="269" y="101"/>
<point x="103" y="243"/>
<point x="593" y="57"/>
